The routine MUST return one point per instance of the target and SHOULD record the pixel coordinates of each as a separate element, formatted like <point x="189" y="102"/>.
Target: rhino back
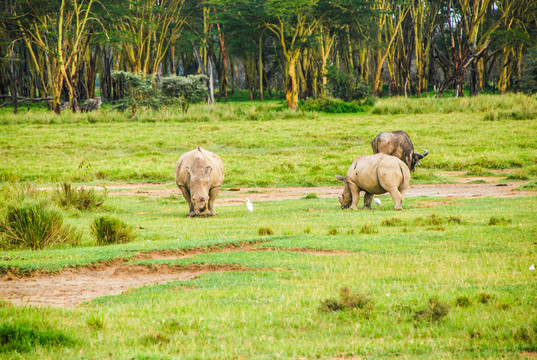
<point x="198" y="160"/>
<point x="393" y="172"/>
<point x="363" y="172"/>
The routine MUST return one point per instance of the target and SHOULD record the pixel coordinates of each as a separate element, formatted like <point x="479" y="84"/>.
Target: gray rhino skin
<point x="374" y="174"/>
<point x="199" y="174"/>
<point x="398" y="144"/>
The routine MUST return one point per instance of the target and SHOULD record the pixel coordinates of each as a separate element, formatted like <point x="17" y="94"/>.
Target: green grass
<point x="402" y="271"/>
<point x="443" y="282"/>
<point x="260" y="144"/>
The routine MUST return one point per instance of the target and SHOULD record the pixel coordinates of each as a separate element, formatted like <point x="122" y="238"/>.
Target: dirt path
<point x="237" y="196"/>
<point x="72" y="286"/>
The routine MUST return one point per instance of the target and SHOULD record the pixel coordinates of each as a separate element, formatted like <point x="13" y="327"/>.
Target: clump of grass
<point x="265" y="231"/>
<point x="454" y="220"/>
<point x="434" y="311"/>
<point x="332" y="231"/>
<point x="525" y="334"/>
<point x="80" y="199"/>
<point x="348" y="300"/>
<point x="311" y="196"/>
<point x="22" y="337"/>
<point x="532" y="186"/>
<point x="368" y="229"/>
<point x="107" y="230"/>
<point x="154" y="338"/>
<point x="477" y="170"/>
<point x="484" y="298"/>
<point x="497" y="220"/>
<point x="94" y="322"/>
<point x="391" y="222"/>
<point x="34" y="226"/>
<point x="463" y="301"/>
<point x="518" y="175"/>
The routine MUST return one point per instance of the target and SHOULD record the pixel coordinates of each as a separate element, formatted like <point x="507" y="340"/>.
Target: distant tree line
<point x="69" y="49"/>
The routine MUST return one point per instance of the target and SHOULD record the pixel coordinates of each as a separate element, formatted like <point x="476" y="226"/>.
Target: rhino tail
<point x="403" y="173"/>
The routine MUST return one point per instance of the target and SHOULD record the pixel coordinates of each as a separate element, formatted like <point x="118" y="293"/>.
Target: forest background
<point x="68" y="50"/>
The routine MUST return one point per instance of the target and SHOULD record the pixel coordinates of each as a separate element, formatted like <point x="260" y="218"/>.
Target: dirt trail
<point x="237" y="196"/>
<point x="72" y="286"/>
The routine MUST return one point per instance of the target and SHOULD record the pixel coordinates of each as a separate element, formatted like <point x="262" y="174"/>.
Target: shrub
<point x="35" y="227"/>
<point x="311" y="196"/>
<point x="348" y="300"/>
<point x="265" y="231"/>
<point x="344" y="86"/>
<point x="108" y="230"/>
<point x="80" y="199"/>
<point x="184" y="90"/>
<point x="141" y="91"/>
<point x="434" y="311"/>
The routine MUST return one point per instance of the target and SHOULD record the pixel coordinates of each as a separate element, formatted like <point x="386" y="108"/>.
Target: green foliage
<point x="108" y="230"/>
<point x="368" y="229"/>
<point x="80" y="199"/>
<point x="528" y="82"/>
<point x="311" y="196"/>
<point x="498" y="220"/>
<point x="184" y="90"/>
<point x="141" y="91"/>
<point x="34" y="226"/>
<point x="334" y="106"/>
<point x="344" y="86"/>
<point x="22" y="337"/>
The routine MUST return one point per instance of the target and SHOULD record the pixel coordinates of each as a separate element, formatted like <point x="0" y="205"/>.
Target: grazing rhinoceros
<point x="398" y="144"/>
<point x="374" y="174"/>
<point x="199" y="174"/>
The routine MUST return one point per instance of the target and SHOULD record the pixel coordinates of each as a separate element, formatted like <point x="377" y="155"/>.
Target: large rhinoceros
<point x="374" y="174"/>
<point x="199" y="174"/>
<point x="398" y="144"/>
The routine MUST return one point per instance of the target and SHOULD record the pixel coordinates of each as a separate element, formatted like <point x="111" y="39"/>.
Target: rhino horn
<point x="341" y="178"/>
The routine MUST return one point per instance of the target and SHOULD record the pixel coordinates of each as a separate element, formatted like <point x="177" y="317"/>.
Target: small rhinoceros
<point x="199" y="174"/>
<point x="374" y="174"/>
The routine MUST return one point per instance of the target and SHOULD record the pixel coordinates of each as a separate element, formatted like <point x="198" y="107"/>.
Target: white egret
<point x="377" y="201"/>
<point x="249" y="205"/>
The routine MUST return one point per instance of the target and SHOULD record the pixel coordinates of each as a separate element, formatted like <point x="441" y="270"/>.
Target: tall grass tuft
<point x="33" y="226"/>
<point x="108" y="230"/>
<point x="80" y="199"/>
<point x="434" y="311"/>
<point x="22" y="337"/>
<point x="348" y="300"/>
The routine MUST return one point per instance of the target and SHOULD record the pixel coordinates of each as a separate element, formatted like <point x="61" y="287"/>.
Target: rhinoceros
<point x="398" y="144"/>
<point x="199" y="174"/>
<point x="374" y="174"/>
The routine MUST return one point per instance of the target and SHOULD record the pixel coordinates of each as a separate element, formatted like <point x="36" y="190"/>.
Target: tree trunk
<point x="291" y="90"/>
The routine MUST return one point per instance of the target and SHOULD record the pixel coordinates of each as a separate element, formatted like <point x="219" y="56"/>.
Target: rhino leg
<point x="186" y="195"/>
<point x="355" y="194"/>
<point x="397" y="198"/>
<point x="367" y="200"/>
<point x="212" y="198"/>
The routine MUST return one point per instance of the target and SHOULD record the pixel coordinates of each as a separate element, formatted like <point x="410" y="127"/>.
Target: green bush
<point x="35" y="227"/>
<point x="185" y="90"/>
<point x="80" y="199"/>
<point x="344" y="86"/>
<point x="108" y="230"/>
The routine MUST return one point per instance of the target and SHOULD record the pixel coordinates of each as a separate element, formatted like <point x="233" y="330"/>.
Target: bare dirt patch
<point x="72" y="286"/>
<point x="238" y="196"/>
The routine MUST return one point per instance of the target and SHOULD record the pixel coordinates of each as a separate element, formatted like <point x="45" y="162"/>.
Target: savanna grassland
<point x="444" y="279"/>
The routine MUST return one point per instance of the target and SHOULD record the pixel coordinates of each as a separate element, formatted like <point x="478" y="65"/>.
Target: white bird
<point x="249" y="205"/>
<point x="377" y="201"/>
<point x="532" y="267"/>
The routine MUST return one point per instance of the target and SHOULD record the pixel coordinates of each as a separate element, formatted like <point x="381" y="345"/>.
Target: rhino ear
<point x="341" y="178"/>
<point x="208" y="170"/>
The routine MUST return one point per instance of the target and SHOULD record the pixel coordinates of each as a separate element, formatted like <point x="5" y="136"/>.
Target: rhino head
<point x="199" y="190"/>
<point x="345" y="199"/>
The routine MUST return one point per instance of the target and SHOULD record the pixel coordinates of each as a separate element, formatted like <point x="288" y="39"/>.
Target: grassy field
<point x="448" y="281"/>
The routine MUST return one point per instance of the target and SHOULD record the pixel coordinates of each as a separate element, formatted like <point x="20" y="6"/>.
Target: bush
<point x="184" y="90"/>
<point x="348" y="300"/>
<point x="108" y="230"/>
<point x="35" y="227"/>
<point x="434" y="311"/>
<point x="80" y="199"/>
<point x="141" y="91"/>
<point x="344" y="86"/>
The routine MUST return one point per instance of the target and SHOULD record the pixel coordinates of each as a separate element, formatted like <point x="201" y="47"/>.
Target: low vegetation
<point x="108" y="230"/>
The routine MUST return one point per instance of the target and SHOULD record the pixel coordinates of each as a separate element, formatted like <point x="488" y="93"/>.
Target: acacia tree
<point x="60" y="34"/>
